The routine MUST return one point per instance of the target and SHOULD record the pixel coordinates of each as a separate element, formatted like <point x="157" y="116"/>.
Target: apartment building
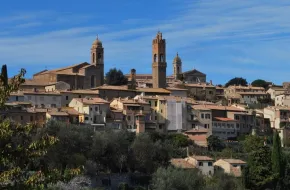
<point x="224" y="128"/>
<point x="137" y="114"/>
<point x="279" y="120"/>
<point x="68" y="95"/>
<point x="282" y="100"/>
<point x="92" y="110"/>
<point x="200" y="118"/>
<point x="43" y="99"/>
<point x="275" y="91"/>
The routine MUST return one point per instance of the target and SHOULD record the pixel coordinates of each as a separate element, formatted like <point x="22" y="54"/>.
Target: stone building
<point x="79" y="76"/>
<point x="159" y="61"/>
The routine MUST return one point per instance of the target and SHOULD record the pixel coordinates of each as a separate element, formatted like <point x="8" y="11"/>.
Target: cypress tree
<point x="277" y="157"/>
<point x="4" y="75"/>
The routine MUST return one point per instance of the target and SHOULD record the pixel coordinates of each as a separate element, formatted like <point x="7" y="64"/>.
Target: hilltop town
<point x="185" y="103"/>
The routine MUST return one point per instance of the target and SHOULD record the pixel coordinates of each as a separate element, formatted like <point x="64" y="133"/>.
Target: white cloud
<point x="207" y="31"/>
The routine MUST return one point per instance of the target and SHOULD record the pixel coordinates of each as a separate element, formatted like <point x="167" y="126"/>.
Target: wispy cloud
<point x="224" y="33"/>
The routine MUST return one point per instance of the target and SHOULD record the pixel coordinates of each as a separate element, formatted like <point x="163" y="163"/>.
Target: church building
<point x="80" y="76"/>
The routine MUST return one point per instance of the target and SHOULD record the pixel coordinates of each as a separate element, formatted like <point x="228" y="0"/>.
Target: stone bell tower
<point x="159" y="61"/>
<point x="177" y="67"/>
<point x="97" y="59"/>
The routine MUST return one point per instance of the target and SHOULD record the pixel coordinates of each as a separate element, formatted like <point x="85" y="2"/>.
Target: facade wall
<point x="282" y="100"/>
<point x="44" y="100"/>
<point x="206" y="167"/>
<point x="179" y="93"/>
<point x="16" y="98"/>
<point x="111" y="94"/>
<point x="224" y="129"/>
<point x="66" y="97"/>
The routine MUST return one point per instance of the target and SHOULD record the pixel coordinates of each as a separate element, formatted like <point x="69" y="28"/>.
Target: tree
<point x="177" y="178"/>
<point x="20" y="146"/>
<point x="214" y="143"/>
<point x="237" y="81"/>
<point x="278" y="165"/>
<point x="260" y="83"/>
<point x="252" y="143"/>
<point x="115" y="77"/>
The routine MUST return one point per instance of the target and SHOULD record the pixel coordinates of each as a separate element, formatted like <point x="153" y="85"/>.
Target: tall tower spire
<point x="97" y="59"/>
<point x="159" y="61"/>
<point x="177" y="66"/>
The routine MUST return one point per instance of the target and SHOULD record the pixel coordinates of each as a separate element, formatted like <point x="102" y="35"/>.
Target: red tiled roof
<point x="202" y="158"/>
<point x="224" y="119"/>
<point x="180" y="162"/>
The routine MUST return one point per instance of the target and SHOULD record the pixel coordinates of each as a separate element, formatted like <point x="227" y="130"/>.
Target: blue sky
<point x="222" y="38"/>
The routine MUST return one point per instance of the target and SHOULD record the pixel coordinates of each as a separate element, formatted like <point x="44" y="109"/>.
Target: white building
<point x="224" y="128"/>
<point x="282" y="100"/>
<point x="203" y="163"/>
<point x="275" y="91"/>
<point x="43" y="99"/>
<point x="231" y="166"/>
<point x="94" y="110"/>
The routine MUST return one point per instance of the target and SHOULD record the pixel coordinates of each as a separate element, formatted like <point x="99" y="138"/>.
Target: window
<point x="66" y="97"/>
<point x="150" y="103"/>
<point x="209" y="173"/>
<point x="91" y="109"/>
<point x="31" y="118"/>
<point x="207" y="116"/>
<point x="191" y="117"/>
<point x="96" y="109"/>
<point x="16" y="98"/>
<point x="160" y="126"/>
<point x="156" y="104"/>
<point x="92" y="81"/>
<point x="205" y="125"/>
<point x="161" y="111"/>
<point x="209" y="163"/>
<point x="80" y="96"/>
<point x="66" y="105"/>
<point x="238" y="125"/>
<point x="21" y="117"/>
<point x="155" y="58"/>
<point x="200" y="163"/>
<point x="128" y="118"/>
<point x="237" y="117"/>
<point x="161" y="58"/>
<point x="53" y="105"/>
<point x="210" y="92"/>
<point x="155" y="117"/>
<point x="193" y="125"/>
<point x="202" y="116"/>
<point x="86" y="118"/>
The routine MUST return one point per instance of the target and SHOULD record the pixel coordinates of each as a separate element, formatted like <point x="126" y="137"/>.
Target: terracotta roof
<point x="247" y="87"/>
<point x="223" y="119"/>
<point x="80" y="91"/>
<point x="217" y="107"/>
<point x="92" y="101"/>
<point x="57" y="113"/>
<point x="234" y="161"/>
<point x="198" y="137"/>
<point x="202" y="158"/>
<point x="55" y="93"/>
<point x="197" y="131"/>
<point x="203" y="85"/>
<point x="111" y="87"/>
<point x="64" y="68"/>
<point x="70" y="111"/>
<point x="32" y="82"/>
<point x="181" y="163"/>
<point x="177" y="89"/>
<point x="153" y="90"/>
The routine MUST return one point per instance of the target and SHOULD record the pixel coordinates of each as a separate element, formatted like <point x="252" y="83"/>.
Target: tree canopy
<point x="237" y="81"/>
<point x="260" y="83"/>
<point x="115" y="77"/>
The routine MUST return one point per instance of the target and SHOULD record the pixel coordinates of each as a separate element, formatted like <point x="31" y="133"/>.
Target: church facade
<point x="80" y="76"/>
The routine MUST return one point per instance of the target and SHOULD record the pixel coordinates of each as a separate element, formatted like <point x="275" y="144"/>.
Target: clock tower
<point x="159" y="61"/>
<point x="97" y="59"/>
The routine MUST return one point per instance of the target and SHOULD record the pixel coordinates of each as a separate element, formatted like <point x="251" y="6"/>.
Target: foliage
<point x="237" y="81"/>
<point x="179" y="140"/>
<point x="214" y="143"/>
<point x="77" y="183"/>
<point x="177" y="178"/>
<point x="277" y="157"/>
<point x="260" y="83"/>
<point x="115" y="77"/>
<point x="222" y="181"/>
<point x="6" y="87"/>
<point x="252" y="143"/>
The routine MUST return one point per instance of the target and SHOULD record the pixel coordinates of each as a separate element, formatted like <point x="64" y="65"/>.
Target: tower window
<point x="92" y="81"/>
<point x="161" y="58"/>
<point x="99" y="55"/>
<point x="155" y="58"/>
<point x="177" y="70"/>
<point x="93" y="57"/>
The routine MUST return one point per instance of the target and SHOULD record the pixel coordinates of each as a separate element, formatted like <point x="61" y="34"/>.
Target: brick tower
<point x="97" y="59"/>
<point x="159" y="61"/>
<point x="177" y="67"/>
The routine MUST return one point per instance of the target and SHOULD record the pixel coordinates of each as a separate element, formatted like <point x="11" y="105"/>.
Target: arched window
<point x="93" y="57"/>
<point x="177" y="70"/>
<point x="92" y="81"/>
<point x="99" y="55"/>
<point x="155" y="58"/>
<point x="161" y="58"/>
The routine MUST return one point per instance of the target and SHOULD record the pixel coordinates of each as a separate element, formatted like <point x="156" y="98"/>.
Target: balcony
<point x="284" y="119"/>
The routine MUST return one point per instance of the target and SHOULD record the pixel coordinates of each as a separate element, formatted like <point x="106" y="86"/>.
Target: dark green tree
<point x="116" y="77"/>
<point x="278" y="166"/>
<point x="237" y="81"/>
<point x="260" y="83"/>
<point x="252" y="143"/>
<point x="214" y="143"/>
